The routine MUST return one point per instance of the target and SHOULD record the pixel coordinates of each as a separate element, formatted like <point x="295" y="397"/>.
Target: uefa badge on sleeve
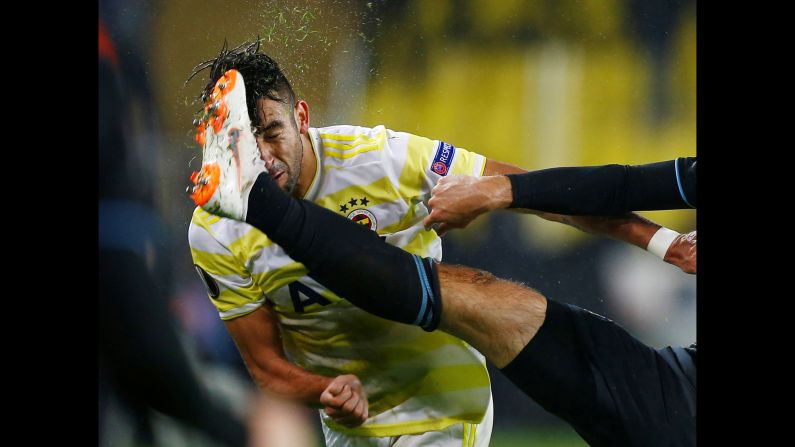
<point x="443" y="159"/>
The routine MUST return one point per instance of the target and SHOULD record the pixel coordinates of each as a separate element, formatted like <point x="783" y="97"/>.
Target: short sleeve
<point x="426" y="161"/>
<point x="229" y="286"/>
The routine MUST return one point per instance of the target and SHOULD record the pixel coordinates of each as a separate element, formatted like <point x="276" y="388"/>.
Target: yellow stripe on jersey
<point x="228" y="310"/>
<point x="365" y="140"/>
<point x="346" y="155"/>
<point x="419" y="154"/>
<point x="401" y="428"/>
<point x="358" y="144"/>
<point x="199" y="213"/>
<point x="401" y="224"/>
<point x="215" y="263"/>
<point x="409" y="216"/>
<point x="438" y="381"/>
<point x="465" y="163"/>
<point x="205" y="217"/>
<point x="352" y="138"/>
<point x="202" y="218"/>
<point x="418" y="160"/>
<point x="446" y="379"/>
<point x="251" y="242"/>
<point x="219" y="265"/>
<point x="412" y="352"/>
<point x="280" y="277"/>
<point x="421" y="242"/>
<point x="378" y="192"/>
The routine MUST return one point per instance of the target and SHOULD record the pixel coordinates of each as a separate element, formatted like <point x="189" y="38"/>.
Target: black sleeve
<point x="608" y="189"/>
<point x="686" y="179"/>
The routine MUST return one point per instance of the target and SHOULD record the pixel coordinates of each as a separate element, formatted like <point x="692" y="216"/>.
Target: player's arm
<point x="458" y="200"/>
<point x="259" y="342"/>
<point x="254" y="327"/>
<point x="627" y="227"/>
<point x="589" y="190"/>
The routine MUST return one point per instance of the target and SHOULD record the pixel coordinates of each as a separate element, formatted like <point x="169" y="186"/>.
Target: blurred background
<point x="537" y="83"/>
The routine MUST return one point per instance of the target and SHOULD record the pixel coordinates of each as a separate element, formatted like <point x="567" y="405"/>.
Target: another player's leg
<point x="612" y="388"/>
<point x="496" y="316"/>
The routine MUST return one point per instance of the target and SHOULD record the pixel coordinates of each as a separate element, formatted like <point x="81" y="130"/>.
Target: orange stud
<point x="220" y="116"/>
<point x="200" y="133"/>
<point x="206" y="184"/>
<point x="230" y="76"/>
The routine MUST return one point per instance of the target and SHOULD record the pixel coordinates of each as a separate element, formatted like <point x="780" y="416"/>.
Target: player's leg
<point x="579" y="366"/>
<point x="613" y="389"/>
<point x="496" y="316"/>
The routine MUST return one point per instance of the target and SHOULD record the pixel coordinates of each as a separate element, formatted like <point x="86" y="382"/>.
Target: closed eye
<point x="270" y="130"/>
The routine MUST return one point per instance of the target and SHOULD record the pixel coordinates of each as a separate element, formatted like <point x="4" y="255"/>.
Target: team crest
<point x="359" y="215"/>
<point x="363" y="217"/>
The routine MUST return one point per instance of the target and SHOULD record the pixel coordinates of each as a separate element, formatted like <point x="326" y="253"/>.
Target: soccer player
<point x="299" y="340"/>
<point x="424" y="387"/>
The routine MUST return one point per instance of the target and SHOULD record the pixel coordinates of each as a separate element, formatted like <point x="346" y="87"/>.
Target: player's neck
<point x="308" y="168"/>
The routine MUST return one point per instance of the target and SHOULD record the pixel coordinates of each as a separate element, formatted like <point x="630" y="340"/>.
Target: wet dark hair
<point x="261" y="74"/>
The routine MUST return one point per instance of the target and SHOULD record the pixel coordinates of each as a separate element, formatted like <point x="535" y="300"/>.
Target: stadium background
<point x="538" y="83"/>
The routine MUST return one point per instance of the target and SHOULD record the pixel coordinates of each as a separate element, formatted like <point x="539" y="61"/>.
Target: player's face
<point x="279" y="142"/>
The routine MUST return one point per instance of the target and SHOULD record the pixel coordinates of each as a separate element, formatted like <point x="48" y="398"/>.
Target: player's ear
<point x="301" y="113"/>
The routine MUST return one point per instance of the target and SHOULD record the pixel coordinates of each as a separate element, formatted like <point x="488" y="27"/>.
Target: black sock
<point x="607" y="189"/>
<point x="349" y="259"/>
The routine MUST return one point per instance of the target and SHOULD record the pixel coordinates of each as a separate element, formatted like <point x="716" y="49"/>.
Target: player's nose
<point x="268" y="158"/>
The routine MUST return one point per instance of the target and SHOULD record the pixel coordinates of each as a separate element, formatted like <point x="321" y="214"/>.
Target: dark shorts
<point x="613" y="389"/>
